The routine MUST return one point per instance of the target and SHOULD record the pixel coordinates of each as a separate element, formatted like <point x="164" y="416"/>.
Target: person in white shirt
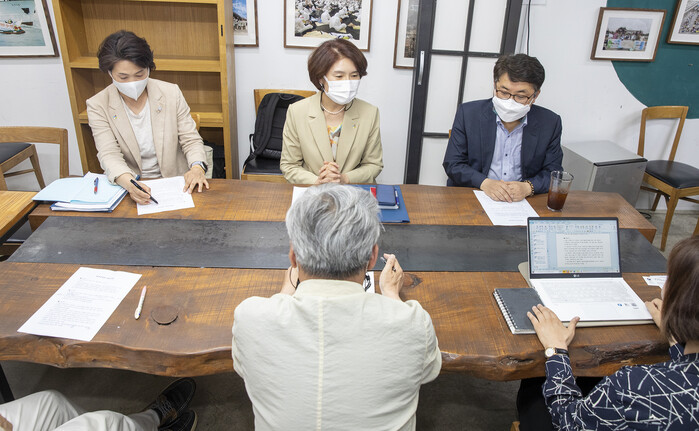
<point x="324" y="353"/>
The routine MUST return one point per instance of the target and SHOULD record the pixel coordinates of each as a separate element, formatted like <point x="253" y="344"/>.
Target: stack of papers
<point x="168" y="192"/>
<point x="78" y="194"/>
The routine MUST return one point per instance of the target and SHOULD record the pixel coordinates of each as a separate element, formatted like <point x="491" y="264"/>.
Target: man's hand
<point x="329" y="173"/>
<point x="518" y="190"/>
<point x="193" y="178"/>
<point x="549" y="328"/>
<point x="391" y="280"/>
<point x="496" y="190"/>
<point x="291" y="279"/>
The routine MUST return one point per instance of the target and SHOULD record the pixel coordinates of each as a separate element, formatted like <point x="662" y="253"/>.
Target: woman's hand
<point x="138" y="196"/>
<point x="655" y="309"/>
<point x="193" y="178"/>
<point x="329" y="173"/>
<point x="549" y="328"/>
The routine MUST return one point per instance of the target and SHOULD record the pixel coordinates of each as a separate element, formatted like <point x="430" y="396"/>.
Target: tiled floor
<point x="452" y="402"/>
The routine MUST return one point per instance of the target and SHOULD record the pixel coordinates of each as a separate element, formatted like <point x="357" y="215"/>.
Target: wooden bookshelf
<point x="193" y="45"/>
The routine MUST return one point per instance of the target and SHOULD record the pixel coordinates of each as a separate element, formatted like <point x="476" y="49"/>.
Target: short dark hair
<point x="322" y="58"/>
<point x="680" y="312"/>
<point x="124" y="45"/>
<point x="520" y="68"/>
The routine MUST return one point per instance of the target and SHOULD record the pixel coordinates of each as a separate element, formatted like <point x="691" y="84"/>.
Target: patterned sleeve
<point x="569" y="410"/>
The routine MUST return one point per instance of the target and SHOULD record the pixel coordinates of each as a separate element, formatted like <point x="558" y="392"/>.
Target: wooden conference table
<point x="472" y="333"/>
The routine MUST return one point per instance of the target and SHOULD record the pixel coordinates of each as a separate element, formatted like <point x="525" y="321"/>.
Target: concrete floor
<point x="452" y="402"/>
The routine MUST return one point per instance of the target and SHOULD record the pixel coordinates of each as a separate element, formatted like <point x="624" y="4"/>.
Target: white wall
<point x="35" y="93"/>
<point x="588" y="95"/>
<point x="273" y="66"/>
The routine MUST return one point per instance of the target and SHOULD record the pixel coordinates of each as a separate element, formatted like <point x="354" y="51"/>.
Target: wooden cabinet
<point x="193" y="45"/>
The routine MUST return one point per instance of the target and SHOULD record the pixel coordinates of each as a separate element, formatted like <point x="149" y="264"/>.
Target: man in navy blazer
<point x="506" y="146"/>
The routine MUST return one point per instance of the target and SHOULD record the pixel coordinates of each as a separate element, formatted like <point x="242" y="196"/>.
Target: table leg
<point x="5" y="391"/>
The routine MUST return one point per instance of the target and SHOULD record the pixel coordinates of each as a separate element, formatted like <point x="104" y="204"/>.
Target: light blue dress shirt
<point x="507" y="156"/>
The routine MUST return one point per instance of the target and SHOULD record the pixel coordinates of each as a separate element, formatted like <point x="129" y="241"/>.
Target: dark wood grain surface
<point x="472" y="333"/>
<point x="254" y="200"/>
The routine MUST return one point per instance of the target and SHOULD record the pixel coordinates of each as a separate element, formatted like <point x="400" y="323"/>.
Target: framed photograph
<point x="406" y="34"/>
<point x="627" y="34"/>
<point x="685" y="24"/>
<point x="25" y="29"/>
<point x="245" y="23"/>
<point x="308" y="23"/>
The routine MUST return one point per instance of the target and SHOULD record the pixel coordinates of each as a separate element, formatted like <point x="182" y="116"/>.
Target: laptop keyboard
<point x="577" y="291"/>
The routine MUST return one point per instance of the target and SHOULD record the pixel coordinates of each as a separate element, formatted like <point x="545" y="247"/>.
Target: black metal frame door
<point x="421" y="73"/>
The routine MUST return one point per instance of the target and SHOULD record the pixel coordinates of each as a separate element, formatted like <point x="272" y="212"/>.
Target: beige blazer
<point x="177" y="142"/>
<point x="307" y="144"/>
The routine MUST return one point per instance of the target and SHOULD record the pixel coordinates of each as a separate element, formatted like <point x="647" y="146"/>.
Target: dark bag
<point x="269" y="125"/>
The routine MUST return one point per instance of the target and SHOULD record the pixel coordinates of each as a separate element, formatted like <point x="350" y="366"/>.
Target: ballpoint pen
<point x="97" y="180"/>
<point x="137" y="314"/>
<point x="141" y="189"/>
<point x="383" y="259"/>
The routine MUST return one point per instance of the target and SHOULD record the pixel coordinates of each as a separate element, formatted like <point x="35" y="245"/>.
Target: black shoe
<point x="186" y="422"/>
<point x="173" y="401"/>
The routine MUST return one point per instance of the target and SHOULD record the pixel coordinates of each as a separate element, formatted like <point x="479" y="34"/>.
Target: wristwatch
<point x="550" y="351"/>
<point x="202" y="164"/>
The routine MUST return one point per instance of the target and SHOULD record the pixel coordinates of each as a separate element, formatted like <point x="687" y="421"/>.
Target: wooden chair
<point x="261" y="169"/>
<point x="673" y="180"/>
<point x="16" y="146"/>
<point x="197" y="120"/>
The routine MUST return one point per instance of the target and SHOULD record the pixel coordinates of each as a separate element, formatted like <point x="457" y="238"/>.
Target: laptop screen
<point x="573" y="247"/>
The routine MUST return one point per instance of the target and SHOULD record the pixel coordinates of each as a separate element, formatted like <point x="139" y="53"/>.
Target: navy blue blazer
<point x="472" y="143"/>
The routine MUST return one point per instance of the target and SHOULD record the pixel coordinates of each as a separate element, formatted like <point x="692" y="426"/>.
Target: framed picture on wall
<point x="406" y="34"/>
<point x="308" y="23"/>
<point x="25" y="29"/>
<point x="245" y="23"/>
<point x="685" y="24"/>
<point x="627" y="34"/>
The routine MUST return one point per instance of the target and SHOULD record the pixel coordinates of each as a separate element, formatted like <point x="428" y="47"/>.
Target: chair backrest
<point x="40" y="135"/>
<point x="260" y="93"/>
<point x="654" y="112"/>
<point x="197" y="120"/>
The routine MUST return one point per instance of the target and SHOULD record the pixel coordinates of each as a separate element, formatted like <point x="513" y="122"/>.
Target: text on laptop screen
<point x="573" y="246"/>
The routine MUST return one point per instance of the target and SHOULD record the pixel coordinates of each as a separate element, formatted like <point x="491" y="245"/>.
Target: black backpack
<point x="269" y="125"/>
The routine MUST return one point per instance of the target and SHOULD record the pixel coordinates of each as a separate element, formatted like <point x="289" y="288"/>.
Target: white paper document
<point x="80" y="307"/>
<point x="298" y="192"/>
<point x="168" y="192"/>
<point x="506" y="213"/>
<point x="655" y="280"/>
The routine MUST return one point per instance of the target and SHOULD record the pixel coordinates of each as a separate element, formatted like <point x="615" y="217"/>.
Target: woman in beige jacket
<point x="142" y="126"/>
<point x="332" y="136"/>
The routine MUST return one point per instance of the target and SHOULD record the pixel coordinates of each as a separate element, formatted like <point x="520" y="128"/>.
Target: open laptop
<point x="575" y="267"/>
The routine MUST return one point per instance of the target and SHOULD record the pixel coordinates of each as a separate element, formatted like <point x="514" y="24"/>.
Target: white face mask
<point x="132" y="89"/>
<point x="509" y="110"/>
<point x="342" y="92"/>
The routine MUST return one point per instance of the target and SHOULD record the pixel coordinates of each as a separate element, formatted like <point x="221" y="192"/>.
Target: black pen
<point x="141" y="189"/>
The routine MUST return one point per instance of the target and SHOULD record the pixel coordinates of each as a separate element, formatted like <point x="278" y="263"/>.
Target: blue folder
<point x="399" y="215"/>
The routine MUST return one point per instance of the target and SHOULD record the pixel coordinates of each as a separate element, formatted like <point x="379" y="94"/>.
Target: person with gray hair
<point x="324" y="353"/>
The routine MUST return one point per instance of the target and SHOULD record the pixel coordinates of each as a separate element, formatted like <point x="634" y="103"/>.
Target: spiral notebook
<point x="514" y="304"/>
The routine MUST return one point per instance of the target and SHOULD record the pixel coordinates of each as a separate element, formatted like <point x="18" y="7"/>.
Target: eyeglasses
<point x="519" y="98"/>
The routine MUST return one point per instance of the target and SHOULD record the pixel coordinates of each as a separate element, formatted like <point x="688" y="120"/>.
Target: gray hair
<point x="333" y="229"/>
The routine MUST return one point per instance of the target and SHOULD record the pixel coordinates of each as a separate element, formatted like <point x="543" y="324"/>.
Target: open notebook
<point x="575" y="267"/>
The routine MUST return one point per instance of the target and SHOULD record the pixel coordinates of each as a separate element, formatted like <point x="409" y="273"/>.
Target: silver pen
<point x="137" y="314"/>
